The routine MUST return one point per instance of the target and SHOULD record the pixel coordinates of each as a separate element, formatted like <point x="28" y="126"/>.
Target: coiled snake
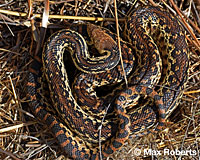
<point x="158" y="70"/>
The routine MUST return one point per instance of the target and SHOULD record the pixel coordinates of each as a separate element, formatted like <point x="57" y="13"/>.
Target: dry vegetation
<point x="22" y="136"/>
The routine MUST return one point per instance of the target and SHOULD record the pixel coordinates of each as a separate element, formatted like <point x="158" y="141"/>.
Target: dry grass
<point x="23" y="137"/>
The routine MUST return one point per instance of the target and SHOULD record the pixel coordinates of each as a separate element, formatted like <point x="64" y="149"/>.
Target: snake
<point x="161" y="79"/>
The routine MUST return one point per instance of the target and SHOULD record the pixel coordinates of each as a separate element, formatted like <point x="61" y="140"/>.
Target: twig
<point x="8" y="26"/>
<point x="9" y="154"/>
<point x="196" y="13"/>
<point x="3" y="5"/>
<point x="186" y="131"/>
<point x="13" y="89"/>
<point x="14" y="127"/>
<point x="45" y="15"/>
<point x="5" y="50"/>
<point x="119" y="45"/>
<point x="22" y="14"/>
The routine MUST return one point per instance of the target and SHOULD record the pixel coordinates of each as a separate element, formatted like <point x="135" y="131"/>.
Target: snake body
<point x="80" y="126"/>
<point x="166" y="31"/>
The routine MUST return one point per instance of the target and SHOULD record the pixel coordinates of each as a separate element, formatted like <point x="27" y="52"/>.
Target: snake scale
<point x="156" y="66"/>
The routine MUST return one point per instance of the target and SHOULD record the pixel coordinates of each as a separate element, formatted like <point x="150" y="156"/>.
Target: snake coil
<point x="162" y="64"/>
